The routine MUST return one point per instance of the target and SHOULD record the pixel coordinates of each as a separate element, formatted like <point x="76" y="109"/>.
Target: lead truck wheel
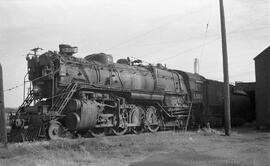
<point x="55" y="131"/>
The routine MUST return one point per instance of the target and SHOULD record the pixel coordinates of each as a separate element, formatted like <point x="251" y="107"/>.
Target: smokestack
<point x="196" y="66"/>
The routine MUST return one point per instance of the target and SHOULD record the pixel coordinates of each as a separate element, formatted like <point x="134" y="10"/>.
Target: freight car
<point x="97" y="96"/>
<point x="213" y="111"/>
<point x="208" y="105"/>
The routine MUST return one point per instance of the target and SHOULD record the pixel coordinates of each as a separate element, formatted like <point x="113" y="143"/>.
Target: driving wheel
<point x="151" y="119"/>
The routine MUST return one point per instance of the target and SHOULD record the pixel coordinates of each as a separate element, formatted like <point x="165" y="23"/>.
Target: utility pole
<point x="3" y="132"/>
<point x="227" y="111"/>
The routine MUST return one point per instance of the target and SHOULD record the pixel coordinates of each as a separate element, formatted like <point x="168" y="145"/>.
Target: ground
<point x="244" y="147"/>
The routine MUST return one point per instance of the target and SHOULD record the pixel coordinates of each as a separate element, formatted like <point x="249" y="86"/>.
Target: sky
<point x="171" y="32"/>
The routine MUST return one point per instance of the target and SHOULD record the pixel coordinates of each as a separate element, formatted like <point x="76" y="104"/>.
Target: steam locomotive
<point x="97" y="96"/>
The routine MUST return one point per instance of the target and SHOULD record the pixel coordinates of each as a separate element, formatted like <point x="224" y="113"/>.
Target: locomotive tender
<point x="95" y="95"/>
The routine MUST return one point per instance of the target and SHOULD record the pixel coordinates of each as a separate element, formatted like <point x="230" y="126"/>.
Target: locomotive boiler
<point x="95" y="95"/>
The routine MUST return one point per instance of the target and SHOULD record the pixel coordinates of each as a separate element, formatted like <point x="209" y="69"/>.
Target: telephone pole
<point x="3" y="132"/>
<point x="227" y="111"/>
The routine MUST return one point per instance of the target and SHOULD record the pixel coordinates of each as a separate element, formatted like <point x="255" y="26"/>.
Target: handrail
<point x="189" y="111"/>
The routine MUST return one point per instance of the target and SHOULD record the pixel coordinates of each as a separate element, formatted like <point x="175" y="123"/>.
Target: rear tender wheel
<point x="97" y="132"/>
<point x="151" y="119"/>
<point x="55" y="131"/>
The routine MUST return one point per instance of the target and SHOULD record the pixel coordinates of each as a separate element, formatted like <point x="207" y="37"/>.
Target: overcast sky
<point x="172" y="32"/>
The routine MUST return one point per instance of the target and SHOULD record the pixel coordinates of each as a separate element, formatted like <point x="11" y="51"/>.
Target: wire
<point x="205" y="34"/>
<point x="232" y="65"/>
<point x="17" y="86"/>
<point x="143" y="34"/>
<point x="202" y="45"/>
<point x="168" y="42"/>
<point x="249" y="29"/>
<point x="241" y="74"/>
<point x="236" y="75"/>
<point x="188" y="50"/>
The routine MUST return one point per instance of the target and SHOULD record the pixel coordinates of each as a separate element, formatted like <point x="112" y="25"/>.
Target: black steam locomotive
<point x="97" y="96"/>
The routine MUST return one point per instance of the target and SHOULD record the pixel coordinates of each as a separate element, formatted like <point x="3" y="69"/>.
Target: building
<point x="262" y="94"/>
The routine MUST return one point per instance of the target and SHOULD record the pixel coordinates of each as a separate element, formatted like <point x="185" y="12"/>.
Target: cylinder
<point x="83" y="119"/>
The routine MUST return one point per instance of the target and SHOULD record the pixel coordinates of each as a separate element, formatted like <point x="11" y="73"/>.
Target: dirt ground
<point x="244" y="147"/>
